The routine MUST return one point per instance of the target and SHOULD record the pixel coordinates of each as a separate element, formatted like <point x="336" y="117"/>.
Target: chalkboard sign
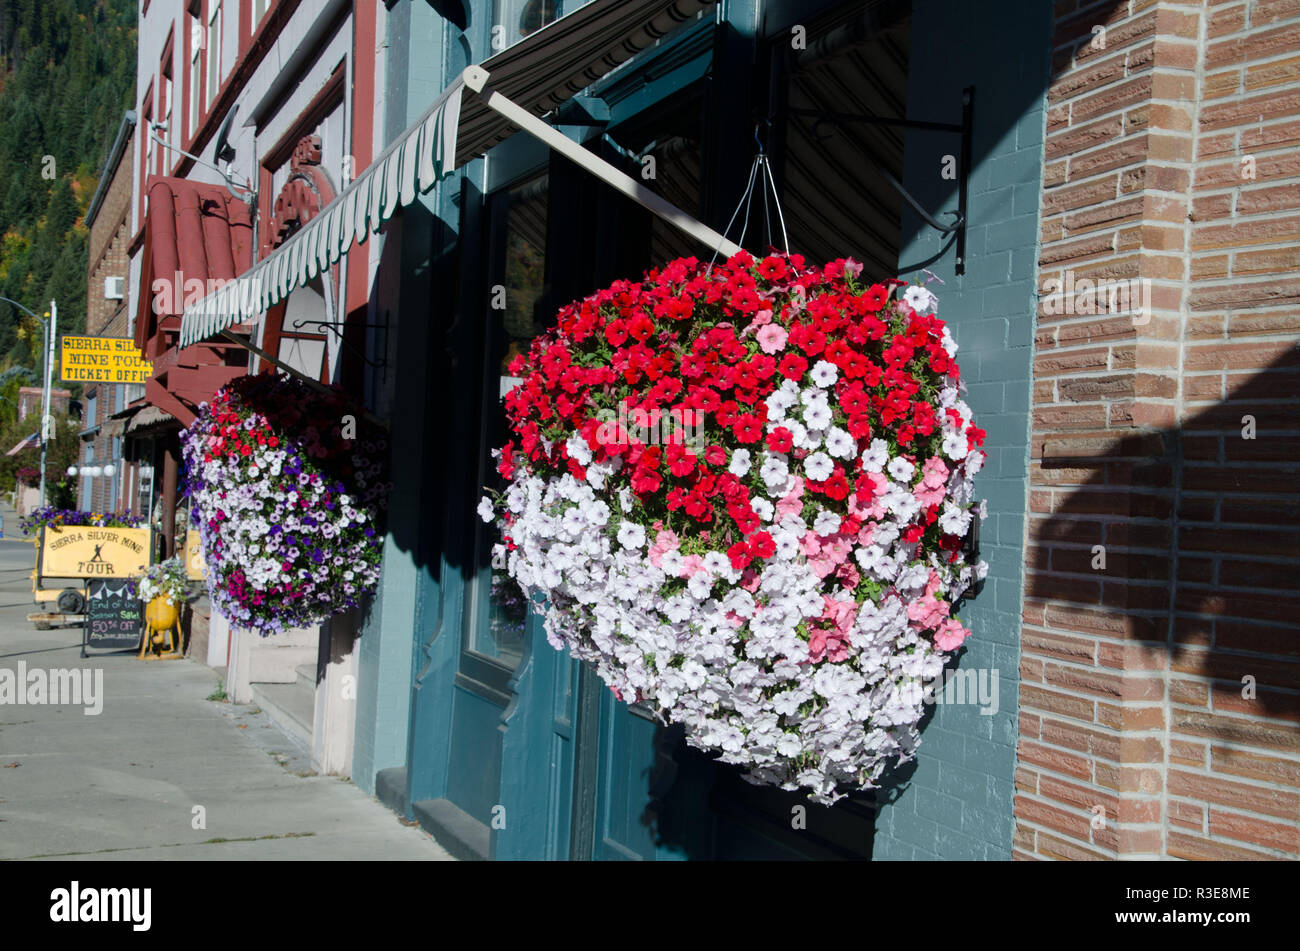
<point x="113" y="615"/>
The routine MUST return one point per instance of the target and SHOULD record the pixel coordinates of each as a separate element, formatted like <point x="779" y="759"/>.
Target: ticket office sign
<point x="84" y="551"/>
<point x="102" y="360"/>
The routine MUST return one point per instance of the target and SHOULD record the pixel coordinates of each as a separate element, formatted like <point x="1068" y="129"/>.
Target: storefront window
<point x="498" y="608"/>
<point x="515" y="19"/>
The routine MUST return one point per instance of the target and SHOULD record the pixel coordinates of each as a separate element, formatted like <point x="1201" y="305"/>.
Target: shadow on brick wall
<point x="1199" y="529"/>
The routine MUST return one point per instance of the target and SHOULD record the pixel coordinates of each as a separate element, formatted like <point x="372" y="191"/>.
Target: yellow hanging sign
<point x="84" y="551"/>
<point x="102" y="360"/>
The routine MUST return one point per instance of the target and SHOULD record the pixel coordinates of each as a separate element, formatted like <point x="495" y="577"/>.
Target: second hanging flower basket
<point x="288" y="494"/>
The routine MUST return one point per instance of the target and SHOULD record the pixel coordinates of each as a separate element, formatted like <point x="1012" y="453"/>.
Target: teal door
<point x="542" y="758"/>
<point x="510" y="722"/>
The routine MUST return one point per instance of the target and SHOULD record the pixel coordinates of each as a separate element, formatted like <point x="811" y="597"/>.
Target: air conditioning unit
<point x="113" y="288"/>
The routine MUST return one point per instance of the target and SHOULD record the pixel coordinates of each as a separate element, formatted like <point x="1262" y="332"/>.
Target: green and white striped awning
<point x="528" y="80"/>
<point x="410" y="166"/>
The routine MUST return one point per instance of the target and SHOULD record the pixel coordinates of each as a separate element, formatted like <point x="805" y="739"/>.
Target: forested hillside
<point x="67" y="73"/>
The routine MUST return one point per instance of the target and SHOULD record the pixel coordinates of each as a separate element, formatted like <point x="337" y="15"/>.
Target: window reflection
<point x="499" y="609"/>
<point x="520" y="18"/>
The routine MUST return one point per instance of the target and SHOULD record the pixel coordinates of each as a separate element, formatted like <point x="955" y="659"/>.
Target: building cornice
<point x="125" y="131"/>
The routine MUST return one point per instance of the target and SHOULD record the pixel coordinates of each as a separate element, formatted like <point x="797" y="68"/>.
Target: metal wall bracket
<point x="336" y="331"/>
<point x="957" y="227"/>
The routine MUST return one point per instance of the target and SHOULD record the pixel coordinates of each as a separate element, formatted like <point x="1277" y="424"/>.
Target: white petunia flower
<point x="824" y="373"/>
<point x="840" y="444"/>
<point x="631" y="535"/>
<point x="774" y="472"/>
<point x="671" y="563"/>
<point x="954" y="519"/>
<point x="875" y="456"/>
<point x="818" y="467"/>
<point x="955" y="446"/>
<point x="817" y="416"/>
<point x="901" y="470"/>
<point x="578" y="449"/>
<point x="716" y="563"/>
<point x="826" y="523"/>
<point x="919" y="298"/>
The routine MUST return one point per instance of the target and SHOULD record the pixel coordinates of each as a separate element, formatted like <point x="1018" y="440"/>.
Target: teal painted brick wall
<point x="955" y="801"/>
<point x="402" y="607"/>
<point x="384" y="673"/>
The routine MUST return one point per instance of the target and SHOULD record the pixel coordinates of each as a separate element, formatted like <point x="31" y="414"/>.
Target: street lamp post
<point x="51" y="329"/>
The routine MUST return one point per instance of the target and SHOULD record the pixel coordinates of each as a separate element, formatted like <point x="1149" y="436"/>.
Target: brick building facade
<point x="1159" y="712"/>
<point x="1125" y="301"/>
<point x="107" y="294"/>
<point x="29" y="402"/>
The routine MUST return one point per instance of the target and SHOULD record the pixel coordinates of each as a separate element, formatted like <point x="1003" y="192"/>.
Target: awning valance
<point x="528" y="79"/>
<point x="411" y="165"/>
<point x="150" y="416"/>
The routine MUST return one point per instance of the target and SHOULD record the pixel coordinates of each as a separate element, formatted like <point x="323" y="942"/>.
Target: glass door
<point x="496" y="615"/>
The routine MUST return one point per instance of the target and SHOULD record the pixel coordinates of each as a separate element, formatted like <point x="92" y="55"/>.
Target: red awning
<point x="195" y="235"/>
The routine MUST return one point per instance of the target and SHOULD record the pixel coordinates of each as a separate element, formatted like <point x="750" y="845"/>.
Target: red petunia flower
<point x="774" y="269"/>
<point x="641" y="327"/>
<point x="739" y="555"/>
<point x="760" y="545"/>
<point x="780" y="439"/>
<point x="792" y="366"/>
<point x="747" y="429"/>
<point x="616" y="333"/>
<point x="876" y="296"/>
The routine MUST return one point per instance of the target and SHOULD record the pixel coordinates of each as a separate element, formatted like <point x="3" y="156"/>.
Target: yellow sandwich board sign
<point x="102" y="360"/>
<point x="84" y="551"/>
<point x="194" y="564"/>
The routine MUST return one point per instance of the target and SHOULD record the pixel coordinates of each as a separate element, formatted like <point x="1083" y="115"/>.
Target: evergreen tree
<point x="67" y="73"/>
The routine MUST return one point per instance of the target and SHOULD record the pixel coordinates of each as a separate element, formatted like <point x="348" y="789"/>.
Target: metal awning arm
<point x="476" y="78"/>
<point x="958" y="225"/>
<point x="313" y="384"/>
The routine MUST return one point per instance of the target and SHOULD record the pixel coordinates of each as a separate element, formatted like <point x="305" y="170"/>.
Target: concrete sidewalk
<point x="133" y="781"/>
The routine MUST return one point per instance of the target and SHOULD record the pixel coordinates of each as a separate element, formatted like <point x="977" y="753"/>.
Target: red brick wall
<point x="1138" y="737"/>
<point x="110" y="234"/>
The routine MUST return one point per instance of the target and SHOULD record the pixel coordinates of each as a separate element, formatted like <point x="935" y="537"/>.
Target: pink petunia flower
<point x="949" y="635"/>
<point x="665" y="542"/>
<point x="771" y="338"/>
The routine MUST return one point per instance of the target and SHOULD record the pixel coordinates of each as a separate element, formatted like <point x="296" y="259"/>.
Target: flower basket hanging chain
<point x="744" y="492"/>
<point x="760" y="173"/>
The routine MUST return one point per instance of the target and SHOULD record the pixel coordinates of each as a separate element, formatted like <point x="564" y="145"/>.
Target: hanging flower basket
<point x="287" y="492"/>
<point x="744" y="495"/>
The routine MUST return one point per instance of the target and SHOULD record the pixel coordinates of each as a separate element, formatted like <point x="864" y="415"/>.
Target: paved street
<point x="125" y="784"/>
